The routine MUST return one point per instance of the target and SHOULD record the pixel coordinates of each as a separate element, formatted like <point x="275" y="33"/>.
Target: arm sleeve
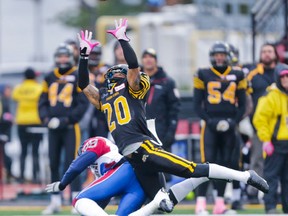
<point x="129" y="54"/>
<point x="83" y="78"/>
<point x="199" y="95"/>
<point x="76" y="167"/>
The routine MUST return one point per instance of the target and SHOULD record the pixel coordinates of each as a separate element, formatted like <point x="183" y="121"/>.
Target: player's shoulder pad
<point x="201" y="71"/>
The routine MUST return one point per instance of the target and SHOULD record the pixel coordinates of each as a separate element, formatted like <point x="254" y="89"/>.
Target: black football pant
<point x="67" y="140"/>
<point x="275" y="170"/>
<point x="217" y="147"/>
<point x="29" y="139"/>
<point x="148" y="160"/>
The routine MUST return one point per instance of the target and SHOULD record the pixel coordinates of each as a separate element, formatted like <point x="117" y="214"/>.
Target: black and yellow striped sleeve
<point x="145" y="86"/>
<point x="44" y="87"/>
<point x="242" y="84"/>
<point x="198" y="83"/>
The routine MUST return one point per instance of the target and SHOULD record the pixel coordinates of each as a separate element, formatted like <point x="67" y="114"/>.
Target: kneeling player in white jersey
<point x="117" y="178"/>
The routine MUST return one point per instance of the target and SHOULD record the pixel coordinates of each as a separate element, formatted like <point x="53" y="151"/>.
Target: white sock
<point x="201" y="199"/>
<point x="181" y="189"/>
<point x="148" y="209"/>
<point x="88" y="207"/>
<point x="220" y="172"/>
<point x="56" y="200"/>
<point x="236" y="194"/>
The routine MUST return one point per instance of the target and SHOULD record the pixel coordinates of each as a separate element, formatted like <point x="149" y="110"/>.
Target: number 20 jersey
<point x="125" y="112"/>
<point x="220" y="90"/>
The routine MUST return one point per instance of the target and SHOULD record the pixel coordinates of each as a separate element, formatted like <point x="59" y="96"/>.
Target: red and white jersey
<point x="107" y="152"/>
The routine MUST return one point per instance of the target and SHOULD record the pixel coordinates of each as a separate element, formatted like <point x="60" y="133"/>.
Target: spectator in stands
<point x="271" y="122"/>
<point x="27" y="96"/>
<point x="260" y="77"/>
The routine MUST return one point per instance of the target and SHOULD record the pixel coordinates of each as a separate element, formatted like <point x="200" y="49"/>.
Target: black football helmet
<point x="220" y="47"/>
<point x="120" y="68"/>
<point x="95" y="55"/>
<point x="234" y="54"/>
<point x="64" y="49"/>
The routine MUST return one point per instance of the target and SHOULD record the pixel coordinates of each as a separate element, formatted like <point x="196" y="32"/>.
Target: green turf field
<point x="179" y="210"/>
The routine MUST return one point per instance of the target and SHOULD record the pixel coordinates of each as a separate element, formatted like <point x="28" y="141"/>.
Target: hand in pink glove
<point x="86" y="44"/>
<point x="8" y="116"/>
<point x="268" y="147"/>
<point x="120" y="30"/>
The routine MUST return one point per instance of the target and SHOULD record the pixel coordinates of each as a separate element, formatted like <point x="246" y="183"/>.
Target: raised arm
<point x="133" y="75"/>
<point x="91" y="92"/>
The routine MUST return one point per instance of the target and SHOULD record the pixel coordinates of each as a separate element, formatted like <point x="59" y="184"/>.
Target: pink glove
<point x="8" y="116"/>
<point x="120" y="30"/>
<point x="86" y="44"/>
<point x="268" y="147"/>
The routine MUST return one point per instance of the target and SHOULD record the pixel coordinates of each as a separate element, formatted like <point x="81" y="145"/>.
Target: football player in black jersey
<point x="123" y="102"/>
<point x="61" y="106"/>
<point x="219" y="100"/>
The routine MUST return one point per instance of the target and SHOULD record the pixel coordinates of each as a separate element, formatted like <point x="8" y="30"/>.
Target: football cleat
<point x="51" y="209"/>
<point x="218" y="209"/>
<point x="237" y="205"/>
<point x="258" y="182"/>
<point x="163" y="201"/>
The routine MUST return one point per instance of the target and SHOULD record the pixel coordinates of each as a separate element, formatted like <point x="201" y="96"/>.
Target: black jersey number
<point x="215" y="96"/>
<point x="64" y="96"/>
<point x="123" y="115"/>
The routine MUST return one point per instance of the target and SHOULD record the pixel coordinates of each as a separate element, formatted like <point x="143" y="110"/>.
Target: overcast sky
<point x="21" y="27"/>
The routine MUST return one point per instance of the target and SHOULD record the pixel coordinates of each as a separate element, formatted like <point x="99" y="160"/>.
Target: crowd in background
<point x="253" y="95"/>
